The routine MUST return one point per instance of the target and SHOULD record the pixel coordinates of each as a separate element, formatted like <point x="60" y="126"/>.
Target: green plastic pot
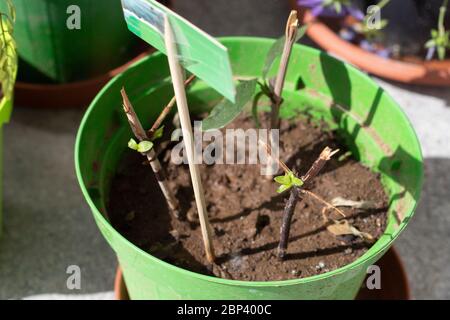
<point x="51" y="52"/>
<point x="368" y="120"/>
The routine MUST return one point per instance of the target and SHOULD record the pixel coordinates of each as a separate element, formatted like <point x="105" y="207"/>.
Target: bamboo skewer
<point x="186" y="127"/>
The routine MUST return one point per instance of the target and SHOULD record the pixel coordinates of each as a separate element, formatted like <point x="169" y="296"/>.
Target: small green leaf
<point x="226" y="111"/>
<point x="283" y="179"/>
<point x="132" y="144"/>
<point x="288" y="181"/>
<point x="297" y="181"/>
<point x="274" y="52"/>
<point x="144" y="146"/>
<point x="301" y="32"/>
<point x="158" y="133"/>
<point x="283" y="188"/>
<point x="277" y="49"/>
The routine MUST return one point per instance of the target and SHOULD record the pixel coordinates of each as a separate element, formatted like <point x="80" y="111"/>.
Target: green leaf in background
<point x="226" y="111"/>
<point x="274" y="52"/>
<point x="8" y="57"/>
<point x="440" y="37"/>
<point x="441" y="52"/>
<point x="144" y="146"/>
<point x="301" y="32"/>
<point x="277" y="49"/>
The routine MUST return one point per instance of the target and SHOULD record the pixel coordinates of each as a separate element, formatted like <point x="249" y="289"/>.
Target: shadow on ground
<point x="423" y="245"/>
<point x="47" y="224"/>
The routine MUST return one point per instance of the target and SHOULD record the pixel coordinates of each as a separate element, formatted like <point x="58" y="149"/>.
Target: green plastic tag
<point x="199" y="52"/>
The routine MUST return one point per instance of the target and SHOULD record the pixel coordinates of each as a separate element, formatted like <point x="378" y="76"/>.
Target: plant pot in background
<point x="63" y="67"/>
<point x="371" y="124"/>
<point x="433" y="73"/>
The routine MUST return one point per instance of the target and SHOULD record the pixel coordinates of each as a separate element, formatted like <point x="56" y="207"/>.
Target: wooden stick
<point x="186" y="127"/>
<point x="291" y="36"/>
<point x="141" y="135"/>
<point x="286" y="223"/>
<point x="167" y="109"/>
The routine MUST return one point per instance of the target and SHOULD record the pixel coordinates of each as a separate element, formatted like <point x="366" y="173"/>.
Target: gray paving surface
<point x="48" y="226"/>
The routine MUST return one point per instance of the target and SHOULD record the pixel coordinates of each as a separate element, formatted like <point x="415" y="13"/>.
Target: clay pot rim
<point x="121" y="293"/>
<point x="429" y="73"/>
<point x="79" y="93"/>
<point x="80" y="83"/>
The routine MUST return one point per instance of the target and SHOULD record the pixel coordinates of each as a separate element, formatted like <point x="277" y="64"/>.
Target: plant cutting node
<point x="296" y="185"/>
<point x="145" y="146"/>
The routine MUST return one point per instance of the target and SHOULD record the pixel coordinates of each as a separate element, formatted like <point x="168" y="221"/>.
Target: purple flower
<point x="366" y="45"/>
<point x="348" y="34"/>
<point x="318" y="9"/>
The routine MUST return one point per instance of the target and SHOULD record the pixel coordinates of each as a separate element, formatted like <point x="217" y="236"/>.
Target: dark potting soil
<point x="246" y="212"/>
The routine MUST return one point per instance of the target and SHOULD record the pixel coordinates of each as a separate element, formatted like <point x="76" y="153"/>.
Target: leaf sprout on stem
<point x="440" y="37"/>
<point x="297" y="186"/>
<point x="145" y="146"/>
<point x="225" y="112"/>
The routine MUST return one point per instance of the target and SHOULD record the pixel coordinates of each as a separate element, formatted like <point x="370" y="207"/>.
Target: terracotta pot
<point x="67" y="95"/>
<point x="394" y="282"/>
<point x="433" y="73"/>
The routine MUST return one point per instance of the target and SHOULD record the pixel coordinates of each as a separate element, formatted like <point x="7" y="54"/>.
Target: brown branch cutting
<point x="141" y="135"/>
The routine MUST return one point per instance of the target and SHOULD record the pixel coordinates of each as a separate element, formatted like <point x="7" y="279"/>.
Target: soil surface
<point x="246" y="211"/>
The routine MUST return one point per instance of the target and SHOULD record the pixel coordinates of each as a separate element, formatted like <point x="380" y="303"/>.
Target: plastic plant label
<point x="199" y="52"/>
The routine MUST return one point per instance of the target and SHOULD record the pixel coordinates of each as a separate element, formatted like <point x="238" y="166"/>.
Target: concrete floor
<point x="48" y="225"/>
